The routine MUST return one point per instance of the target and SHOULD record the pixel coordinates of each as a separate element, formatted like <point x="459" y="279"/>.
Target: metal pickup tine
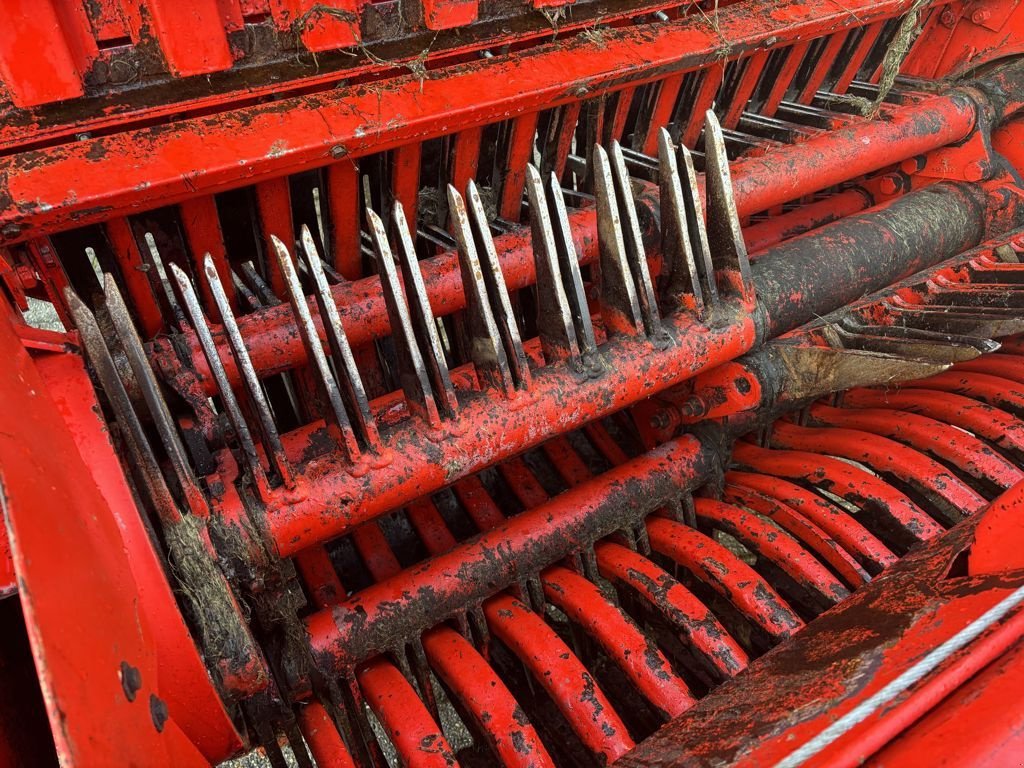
<point x="497" y="291"/>
<point x="619" y="307"/>
<point x="209" y="347"/>
<point x="422" y="316"/>
<point x="337" y="418"/>
<point x="258" y="400"/>
<point x="412" y="372"/>
<point x="681" y="282"/>
<point x="569" y="263"/>
<point x="485" y="344"/>
<point x="554" y="320"/>
<point x="341" y="352"/>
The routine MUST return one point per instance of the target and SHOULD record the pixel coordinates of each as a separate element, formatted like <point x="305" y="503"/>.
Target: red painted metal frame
<point x="794" y="694"/>
<point x="102" y="177"/>
<point x="63" y="533"/>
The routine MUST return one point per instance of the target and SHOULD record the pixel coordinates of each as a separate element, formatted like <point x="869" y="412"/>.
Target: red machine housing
<point x="457" y="382"/>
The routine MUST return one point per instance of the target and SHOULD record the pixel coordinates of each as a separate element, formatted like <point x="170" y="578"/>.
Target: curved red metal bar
<point x="725" y="573"/>
<point x="1004" y="366"/>
<point x="417" y="738"/>
<point x="699" y="628"/>
<point x="485" y="698"/>
<point x="552" y="664"/>
<point x="773" y="544"/>
<point x="993" y="390"/>
<point x="323" y="738"/>
<point x="966" y="452"/>
<point x="1000" y="428"/>
<point x="936" y="483"/>
<point x="869" y="492"/>
<point x="809" y="534"/>
<point x="634" y="653"/>
<point x="867" y="548"/>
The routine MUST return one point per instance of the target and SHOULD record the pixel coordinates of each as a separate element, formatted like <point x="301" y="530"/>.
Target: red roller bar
<point x="485" y="697"/>
<point x="868" y="491"/>
<point x="993" y="424"/>
<point x="557" y="670"/>
<point x="368" y="621"/>
<point x="333" y="499"/>
<point x="806" y="167"/>
<point x="960" y="448"/>
<point x="825" y="547"/>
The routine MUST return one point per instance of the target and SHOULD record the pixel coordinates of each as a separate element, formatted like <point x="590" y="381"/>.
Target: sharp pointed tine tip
<point x="72" y="298"/>
<point x="454" y="198"/>
<point x="374" y="219"/>
<point x="179" y="275"/>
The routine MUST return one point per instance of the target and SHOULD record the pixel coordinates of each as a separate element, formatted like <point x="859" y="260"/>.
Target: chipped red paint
<point x="794" y="694"/>
<point x="571" y="546"/>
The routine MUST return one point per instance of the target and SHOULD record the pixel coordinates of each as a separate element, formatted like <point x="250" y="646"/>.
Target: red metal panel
<point x="107" y="21"/>
<point x="274" y="201"/>
<point x="445" y="14"/>
<point x="46" y="47"/>
<point x="520" y="152"/>
<point x="980" y="724"/>
<point x="343" y="201"/>
<point x="158" y="167"/>
<point x="184" y="682"/>
<point x="191" y="35"/>
<point x="794" y="56"/>
<point x="405" y="178"/>
<point x="825" y="61"/>
<point x="664" y="105"/>
<point x="465" y="157"/>
<point x="95" y="654"/>
<point x="201" y="223"/>
<point x="856" y="60"/>
<point x="321" y="25"/>
<point x="710" y="82"/>
<point x="738" y="100"/>
<point x="997" y="545"/>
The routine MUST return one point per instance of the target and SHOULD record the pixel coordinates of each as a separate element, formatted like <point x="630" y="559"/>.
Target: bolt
<point x="660" y="420"/>
<point x="338" y="151"/>
<point x="981" y="15"/>
<point x="974" y="171"/>
<point x="887" y="185"/>
<point x="948" y="18"/>
<point x="10" y="230"/>
<point x="695" y="407"/>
